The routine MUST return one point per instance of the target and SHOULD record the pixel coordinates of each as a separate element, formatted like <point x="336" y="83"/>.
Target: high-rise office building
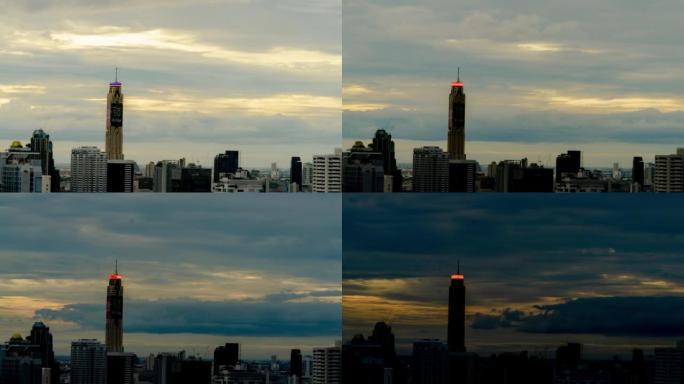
<point x="225" y="163"/>
<point x="456" y="325"/>
<point x="638" y="173"/>
<point x="430" y="170"/>
<point x="120" y="175"/>
<point x="669" y="172"/>
<point x="195" y="179"/>
<point x="568" y="163"/>
<point x="327" y="172"/>
<point x="114" y="123"/>
<point x="296" y="181"/>
<point x="40" y="142"/>
<point x="227" y="355"/>
<point x="21" y="362"/>
<point x="307" y="175"/>
<point x="41" y="336"/>
<point x="456" y="135"/>
<point x="518" y="176"/>
<point x="327" y="364"/>
<point x="296" y="363"/>
<point x="88" y="362"/>
<point x="382" y="142"/>
<point x="114" y="314"/>
<point x="167" y="176"/>
<point x="462" y="175"/>
<point x="669" y="365"/>
<point x="88" y="170"/>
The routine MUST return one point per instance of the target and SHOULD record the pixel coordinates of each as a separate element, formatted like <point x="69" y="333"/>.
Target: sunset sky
<point x="197" y="273"/>
<point x="198" y="78"/>
<point x="540" y="77"/>
<point x="540" y="271"/>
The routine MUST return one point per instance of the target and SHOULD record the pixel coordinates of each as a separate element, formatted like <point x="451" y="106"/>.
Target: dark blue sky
<point x="540" y="270"/>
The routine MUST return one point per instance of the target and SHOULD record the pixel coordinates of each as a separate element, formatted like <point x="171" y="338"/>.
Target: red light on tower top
<point x="457" y="83"/>
<point x="115" y="276"/>
<point x="457" y="276"/>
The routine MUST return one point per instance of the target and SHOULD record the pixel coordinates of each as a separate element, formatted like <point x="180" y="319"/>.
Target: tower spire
<point x="116" y="266"/>
<point x="116" y="74"/>
<point x="458" y="74"/>
<point x="458" y="266"/>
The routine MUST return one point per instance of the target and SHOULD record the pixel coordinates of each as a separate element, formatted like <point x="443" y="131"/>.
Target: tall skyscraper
<point x="88" y="362"/>
<point x="114" y="123"/>
<point x="296" y="174"/>
<point x="327" y="172"/>
<point x="88" y="170"/>
<point x="456" y="138"/>
<point x="363" y="170"/>
<point x="41" y="336"/>
<point x="114" y="315"/>
<point x="225" y="163"/>
<point x="327" y="364"/>
<point x="120" y="175"/>
<point x="456" y="326"/>
<point x="430" y="170"/>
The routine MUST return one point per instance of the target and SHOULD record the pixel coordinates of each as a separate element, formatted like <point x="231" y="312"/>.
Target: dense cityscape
<point x="373" y="167"/>
<point x="31" y="167"/>
<point x="375" y="360"/>
<point x="31" y="360"/>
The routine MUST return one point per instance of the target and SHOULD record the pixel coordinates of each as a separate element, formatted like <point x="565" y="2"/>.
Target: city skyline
<point x="211" y="287"/>
<point x="541" y="271"/>
<point x="540" y="79"/>
<point x="193" y="85"/>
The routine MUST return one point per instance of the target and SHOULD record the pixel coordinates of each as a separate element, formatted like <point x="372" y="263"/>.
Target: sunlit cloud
<point x="21" y="88"/>
<point x="363" y="107"/>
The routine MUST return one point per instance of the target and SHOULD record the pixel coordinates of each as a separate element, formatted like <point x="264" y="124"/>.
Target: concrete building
<point x="88" y="362"/>
<point x="669" y="172"/>
<point x="327" y="172"/>
<point x="430" y="170"/>
<point x="327" y="363"/>
<point x="88" y="170"/>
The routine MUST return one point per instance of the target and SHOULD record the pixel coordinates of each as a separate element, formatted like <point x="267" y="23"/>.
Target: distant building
<point x="382" y="143"/>
<point x="430" y="362"/>
<point x="638" y="173"/>
<point x="114" y="122"/>
<point x="327" y="172"/>
<point x="120" y="175"/>
<point x="88" y="362"/>
<point x="456" y="134"/>
<point x="21" y="361"/>
<point x="40" y="142"/>
<point x="669" y="366"/>
<point x="669" y="172"/>
<point x="307" y="176"/>
<point x="327" y="363"/>
<point x="430" y="170"/>
<point x="296" y="363"/>
<point x="226" y="163"/>
<point x="114" y="315"/>
<point x="227" y="355"/>
<point x="517" y="176"/>
<point x="88" y="170"/>
<point x="167" y="176"/>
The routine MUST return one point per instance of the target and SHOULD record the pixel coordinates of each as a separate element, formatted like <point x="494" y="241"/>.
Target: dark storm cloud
<point x="617" y="316"/>
<point x="272" y="316"/>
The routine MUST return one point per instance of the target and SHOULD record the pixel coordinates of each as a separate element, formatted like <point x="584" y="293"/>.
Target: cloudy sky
<point x="199" y="77"/>
<point x="540" y="271"/>
<point x="196" y="272"/>
<point x="540" y="77"/>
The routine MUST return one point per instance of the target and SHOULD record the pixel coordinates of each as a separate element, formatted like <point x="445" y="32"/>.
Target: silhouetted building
<point x="226" y="356"/>
<point x="41" y="336"/>
<point x="568" y="163"/>
<point x="120" y="368"/>
<point x="296" y="363"/>
<point x="120" y="175"/>
<point x="456" y="325"/>
<point x="195" y="179"/>
<point x="456" y="135"/>
<point x="638" y="173"/>
<point x="21" y="362"/>
<point x="362" y="170"/>
<point x="430" y="170"/>
<point x="114" y="314"/>
<point x="40" y="142"/>
<point x="382" y="142"/>
<point x="430" y="362"/>
<point x="517" y="176"/>
<point x="669" y="366"/>
<point x="296" y="181"/>
<point x="88" y="362"/>
<point x="225" y="163"/>
<point x="462" y="175"/>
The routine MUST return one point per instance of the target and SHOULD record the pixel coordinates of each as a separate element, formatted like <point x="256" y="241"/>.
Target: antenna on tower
<point x="116" y="266"/>
<point x="116" y="74"/>
<point x="458" y="74"/>
<point x="458" y="266"/>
